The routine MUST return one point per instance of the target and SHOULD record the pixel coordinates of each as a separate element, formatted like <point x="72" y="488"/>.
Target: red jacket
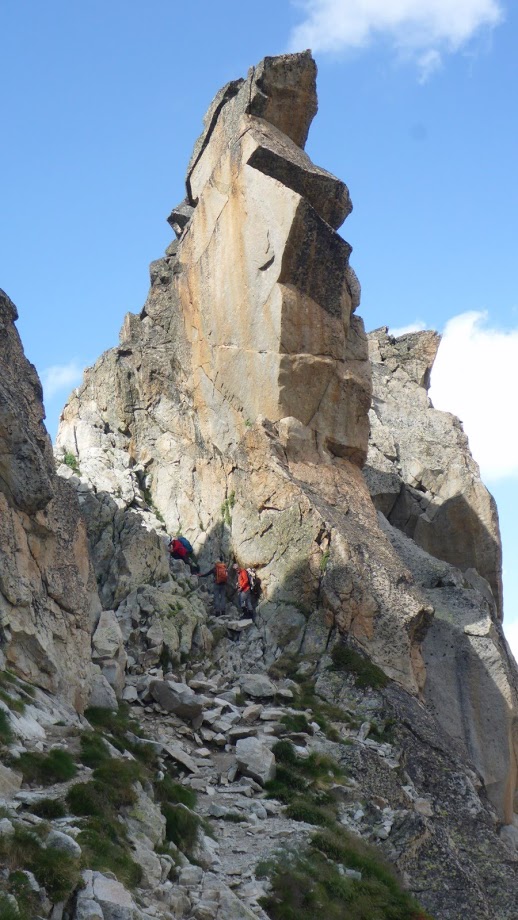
<point x="242" y="580"/>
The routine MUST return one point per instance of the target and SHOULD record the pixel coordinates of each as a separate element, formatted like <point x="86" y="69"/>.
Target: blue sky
<point x="101" y="103"/>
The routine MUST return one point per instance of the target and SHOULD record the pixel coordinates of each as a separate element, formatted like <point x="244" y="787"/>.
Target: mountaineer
<point x="220" y="573"/>
<point x="180" y="548"/>
<point x="246" y="603"/>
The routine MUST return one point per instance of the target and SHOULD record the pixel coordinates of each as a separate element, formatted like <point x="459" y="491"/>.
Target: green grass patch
<point x="44" y="769"/>
<point x="48" y="809"/>
<point x="105" y="848"/>
<point x="168" y="791"/>
<point x="9" y="911"/>
<point x="302" y="784"/>
<point x="182" y="826"/>
<point x="93" y="750"/>
<point x="304" y="810"/>
<point x="116" y="723"/>
<point x="11" y="701"/>
<point x="57" y="871"/>
<point x="309" y="885"/>
<point x="87" y="799"/>
<point x="366" y="674"/>
<point x="70" y="460"/>
<point x="296" y="722"/>
<point x="116" y="726"/>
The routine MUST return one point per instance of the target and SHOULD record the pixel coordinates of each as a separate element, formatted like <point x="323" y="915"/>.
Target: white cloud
<point x="418" y="326"/>
<point x="428" y="63"/>
<point x="423" y="28"/>
<point x="474" y="377"/>
<point x="511" y="634"/>
<point x="60" y="377"/>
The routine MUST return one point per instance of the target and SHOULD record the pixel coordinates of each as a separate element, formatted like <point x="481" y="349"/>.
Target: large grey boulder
<point x="255" y="759"/>
<point x="258" y="686"/>
<point x="177" y="698"/>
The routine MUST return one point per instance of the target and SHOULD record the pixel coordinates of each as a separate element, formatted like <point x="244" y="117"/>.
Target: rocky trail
<point x="212" y="724"/>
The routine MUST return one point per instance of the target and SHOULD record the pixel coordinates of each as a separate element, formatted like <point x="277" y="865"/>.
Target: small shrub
<point x="18" y="885"/>
<point x="324" y="560"/>
<point x="233" y="817"/>
<point x="114" y="721"/>
<point x="9" y="911"/>
<point x="87" y="799"/>
<point x="57" y="871"/>
<point x="226" y="508"/>
<point x="106" y="849"/>
<point x="366" y="674"/>
<point x="304" y="810"/>
<point x="93" y="750"/>
<point x="285" y="752"/>
<point x="55" y="767"/>
<point x="296" y="722"/>
<point x="48" y="809"/>
<point x="71" y="460"/>
<point x="168" y="791"/>
<point x="181" y="826"/>
<point x="117" y="777"/>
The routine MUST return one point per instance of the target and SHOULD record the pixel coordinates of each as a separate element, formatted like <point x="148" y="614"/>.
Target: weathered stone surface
<point x="10" y="782"/>
<point x="102" y="695"/>
<point x="420" y="470"/>
<point x="255" y="759"/>
<point x="48" y="595"/>
<point x="60" y="841"/>
<point x="177" y="698"/>
<point x="107" y="639"/>
<point x="257" y="685"/>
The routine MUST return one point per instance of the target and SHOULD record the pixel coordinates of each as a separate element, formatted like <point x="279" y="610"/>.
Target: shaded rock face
<point x="423" y="478"/>
<point x="236" y="408"/>
<point x="419" y="469"/>
<point x="48" y="596"/>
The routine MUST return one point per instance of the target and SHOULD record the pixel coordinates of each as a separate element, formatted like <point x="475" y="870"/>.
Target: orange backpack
<point x="221" y="573"/>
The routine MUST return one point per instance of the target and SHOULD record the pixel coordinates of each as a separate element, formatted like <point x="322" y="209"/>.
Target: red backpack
<point x="221" y="573"/>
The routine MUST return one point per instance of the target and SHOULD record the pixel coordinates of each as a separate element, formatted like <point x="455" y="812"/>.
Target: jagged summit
<point x="235" y="410"/>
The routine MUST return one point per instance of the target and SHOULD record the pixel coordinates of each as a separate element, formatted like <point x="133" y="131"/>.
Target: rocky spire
<point x="236" y="406"/>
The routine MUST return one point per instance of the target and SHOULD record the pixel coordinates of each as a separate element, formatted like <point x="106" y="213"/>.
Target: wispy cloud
<point x="474" y="377"/>
<point x="60" y="377"/>
<point x="424" y="29"/>
<point x="416" y="326"/>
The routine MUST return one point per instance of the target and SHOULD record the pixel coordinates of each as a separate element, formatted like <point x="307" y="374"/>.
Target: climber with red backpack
<point x="220" y="573"/>
<point x="180" y="548"/>
<point x="245" y="579"/>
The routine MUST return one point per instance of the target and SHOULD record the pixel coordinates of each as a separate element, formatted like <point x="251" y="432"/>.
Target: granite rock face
<point x="235" y="410"/>
<point x="48" y="594"/>
<point x="420" y="470"/>
<point x="424" y="480"/>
